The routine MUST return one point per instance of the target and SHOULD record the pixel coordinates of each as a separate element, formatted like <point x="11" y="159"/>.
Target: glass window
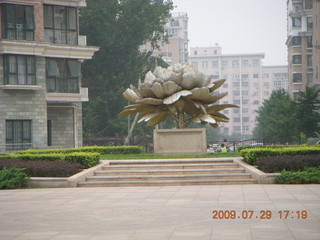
<point x="310" y="78"/>
<point x="235" y="63"/>
<point x="245" y="119"/>
<point x="204" y="64"/>
<point x="236" y="119"/>
<point x="309" y="60"/>
<point x="308" y="4"/>
<point x="18" y="132"/>
<point x="296" y="59"/>
<point x="19" y="70"/>
<point x="296" y="41"/>
<point x="255" y="62"/>
<point x="214" y="64"/>
<point x="245" y="63"/>
<point x="296" y="22"/>
<point x="244" y="76"/>
<point x="60" y="24"/>
<point x="63" y="75"/>
<point x="19" y="23"/>
<point x="309" y="23"/>
<point x="245" y="84"/>
<point x="297" y="77"/>
<point x="309" y="42"/>
<point x="236" y="128"/>
<point x="236" y="84"/>
<point x="255" y="75"/>
<point x="224" y="63"/>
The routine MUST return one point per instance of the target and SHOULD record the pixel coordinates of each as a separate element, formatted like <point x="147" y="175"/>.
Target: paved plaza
<point x="156" y="213"/>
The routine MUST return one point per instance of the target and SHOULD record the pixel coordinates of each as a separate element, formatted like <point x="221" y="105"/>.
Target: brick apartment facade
<point x="40" y="74"/>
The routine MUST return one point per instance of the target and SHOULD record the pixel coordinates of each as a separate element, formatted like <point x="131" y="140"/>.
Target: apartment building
<point x="303" y="44"/>
<point x="176" y="50"/>
<point x="248" y="83"/>
<point x="40" y="73"/>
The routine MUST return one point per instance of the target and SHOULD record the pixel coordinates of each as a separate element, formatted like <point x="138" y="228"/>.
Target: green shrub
<point x="95" y="149"/>
<point x="42" y="168"/>
<point x="289" y="163"/>
<point x="86" y="160"/>
<point x="309" y="175"/>
<point x="12" y="178"/>
<point x="252" y="155"/>
<point x="38" y="157"/>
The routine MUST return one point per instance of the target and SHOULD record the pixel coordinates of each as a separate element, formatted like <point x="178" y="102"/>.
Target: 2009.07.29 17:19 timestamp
<point x="263" y="214"/>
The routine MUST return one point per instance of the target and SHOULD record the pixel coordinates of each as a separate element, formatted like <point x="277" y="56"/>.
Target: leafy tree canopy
<point x="118" y="27"/>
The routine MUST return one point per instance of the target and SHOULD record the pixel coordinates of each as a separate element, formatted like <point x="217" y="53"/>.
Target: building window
<point x="266" y="84"/>
<point x="245" y="110"/>
<point x="236" y="84"/>
<point x="296" y="22"/>
<point x="255" y="62"/>
<point x="18" y="22"/>
<point x="18" y="132"/>
<point x="236" y="93"/>
<point x="245" y="119"/>
<point x="204" y="64"/>
<point x="236" y="76"/>
<point x="236" y="119"/>
<point x="19" y="70"/>
<point x="236" y="128"/>
<point x="236" y="110"/>
<point x="265" y="75"/>
<point x="63" y="75"/>
<point x="224" y="63"/>
<point x="309" y="61"/>
<point x="245" y="93"/>
<point x="310" y="78"/>
<point x="296" y="59"/>
<point x="297" y="77"/>
<point x="60" y="25"/>
<point x="245" y="101"/>
<point x="174" y="23"/>
<point x="235" y="63"/>
<point x="225" y="85"/>
<point x="309" y="23"/>
<point x="255" y="75"/>
<point x="296" y="41"/>
<point x="244" y="76"/>
<point x="245" y="63"/>
<point x="308" y="4"/>
<point x="215" y="76"/>
<point x="195" y="52"/>
<point x="195" y="64"/>
<point x="309" y="42"/>
<point x="215" y="64"/>
<point x="236" y="102"/>
<point x="245" y="84"/>
<point x="256" y="102"/>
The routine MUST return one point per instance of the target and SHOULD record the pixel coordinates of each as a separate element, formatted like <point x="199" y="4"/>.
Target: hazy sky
<point x="239" y="26"/>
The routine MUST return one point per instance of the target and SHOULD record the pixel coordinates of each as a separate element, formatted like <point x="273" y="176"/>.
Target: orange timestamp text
<point x="262" y="214"/>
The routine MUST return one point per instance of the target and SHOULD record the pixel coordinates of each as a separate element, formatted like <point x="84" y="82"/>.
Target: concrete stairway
<point x="166" y="172"/>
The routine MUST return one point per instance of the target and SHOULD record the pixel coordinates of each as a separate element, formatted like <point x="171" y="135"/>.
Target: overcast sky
<point x="239" y="26"/>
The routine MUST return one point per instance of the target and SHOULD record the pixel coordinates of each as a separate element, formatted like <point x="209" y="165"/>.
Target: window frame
<point x="12" y="139"/>
<point x="29" y="71"/>
<point x="16" y="30"/>
<point x="66" y="31"/>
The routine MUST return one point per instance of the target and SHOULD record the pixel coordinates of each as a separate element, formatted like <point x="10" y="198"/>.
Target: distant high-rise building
<point x="176" y="50"/>
<point x="248" y="83"/>
<point x="303" y="44"/>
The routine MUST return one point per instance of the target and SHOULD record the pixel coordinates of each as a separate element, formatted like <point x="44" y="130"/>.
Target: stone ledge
<point x="262" y="177"/>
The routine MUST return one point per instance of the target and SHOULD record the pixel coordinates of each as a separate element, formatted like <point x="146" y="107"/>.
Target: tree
<point x="308" y="115"/>
<point x="276" y="120"/>
<point x="118" y="27"/>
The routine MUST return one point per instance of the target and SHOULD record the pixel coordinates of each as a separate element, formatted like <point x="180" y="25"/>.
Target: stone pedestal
<point x="187" y="141"/>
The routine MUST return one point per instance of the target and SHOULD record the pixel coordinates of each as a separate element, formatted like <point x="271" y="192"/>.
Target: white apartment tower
<point x="248" y="83"/>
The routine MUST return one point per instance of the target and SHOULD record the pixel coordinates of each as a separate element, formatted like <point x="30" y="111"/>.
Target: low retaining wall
<point x="57" y="182"/>
<point x="262" y="177"/>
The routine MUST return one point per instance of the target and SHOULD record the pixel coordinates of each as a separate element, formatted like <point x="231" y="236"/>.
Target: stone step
<point x="169" y="161"/>
<point x="167" y="183"/>
<point x="170" y="166"/>
<point x="168" y="177"/>
<point x="107" y="172"/>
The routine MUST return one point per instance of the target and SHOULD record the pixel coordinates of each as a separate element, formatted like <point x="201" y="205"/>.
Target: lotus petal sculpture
<point x="180" y="92"/>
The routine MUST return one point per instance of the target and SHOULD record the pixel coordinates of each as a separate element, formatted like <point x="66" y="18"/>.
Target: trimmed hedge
<point x="86" y="159"/>
<point x="95" y="149"/>
<point x="12" y="178"/>
<point x="309" y="175"/>
<point x="289" y="163"/>
<point x="242" y="147"/>
<point x="42" y="168"/>
<point x="252" y="155"/>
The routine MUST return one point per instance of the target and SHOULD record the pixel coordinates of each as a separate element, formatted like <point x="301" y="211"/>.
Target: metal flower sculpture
<point x="180" y="92"/>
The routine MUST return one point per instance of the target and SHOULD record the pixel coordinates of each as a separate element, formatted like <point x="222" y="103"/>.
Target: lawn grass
<point x="152" y="156"/>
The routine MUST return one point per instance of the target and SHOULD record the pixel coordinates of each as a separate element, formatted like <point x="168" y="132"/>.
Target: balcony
<point x="68" y="97"/>
<point x="20" y="87"/>
<point x="71" y="3"/>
